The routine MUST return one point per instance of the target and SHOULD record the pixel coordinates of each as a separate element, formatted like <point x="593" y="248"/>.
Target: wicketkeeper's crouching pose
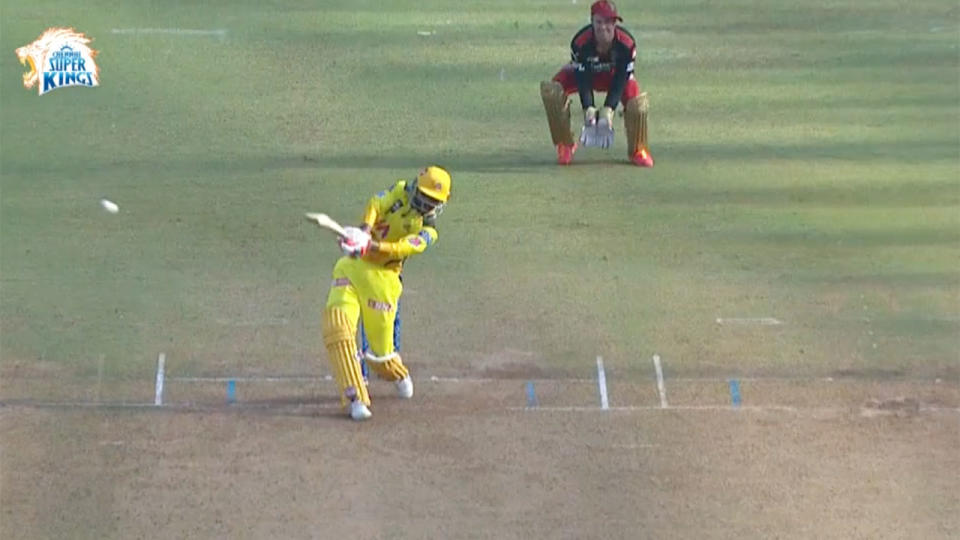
<point x="397" y="223"/>
<point x="603" y="57"/>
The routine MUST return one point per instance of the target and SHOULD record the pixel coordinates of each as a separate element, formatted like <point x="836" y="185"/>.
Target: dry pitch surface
<point x="468" y="459"/>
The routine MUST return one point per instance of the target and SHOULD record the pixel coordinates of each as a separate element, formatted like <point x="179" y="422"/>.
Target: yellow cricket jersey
<point x="399" y="229"/>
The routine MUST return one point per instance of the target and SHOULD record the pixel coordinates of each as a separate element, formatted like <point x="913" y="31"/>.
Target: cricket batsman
<point x="397" y="223"/>
<point x="603" y="57"/>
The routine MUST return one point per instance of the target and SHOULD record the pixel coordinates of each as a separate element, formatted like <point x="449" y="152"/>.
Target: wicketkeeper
<point x="397" y="223"/>
<point x="603" y="57"/>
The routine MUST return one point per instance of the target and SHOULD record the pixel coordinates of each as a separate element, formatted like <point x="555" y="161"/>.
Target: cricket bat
<point x="326" y="222"/>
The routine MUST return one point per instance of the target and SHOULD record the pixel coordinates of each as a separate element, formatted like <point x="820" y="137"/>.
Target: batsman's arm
<point x="412" y="244"/>
<point x="378" y="206"/>
<point x="372" y="211"/>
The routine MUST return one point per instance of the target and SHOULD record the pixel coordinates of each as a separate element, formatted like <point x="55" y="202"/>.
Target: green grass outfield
<point x="807" y="169"/>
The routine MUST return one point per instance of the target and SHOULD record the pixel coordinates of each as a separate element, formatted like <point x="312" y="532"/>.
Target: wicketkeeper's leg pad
<point x="388" y="367"/>
<point x="339" y="338"/>
<point x="557" y="106"/>
<point x="635" y="122"/>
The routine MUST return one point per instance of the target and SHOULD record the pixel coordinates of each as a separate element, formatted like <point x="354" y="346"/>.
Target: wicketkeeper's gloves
<point x="604" y="129"/>
<point x="588" y="134"/>
<point x="597" y="127"/>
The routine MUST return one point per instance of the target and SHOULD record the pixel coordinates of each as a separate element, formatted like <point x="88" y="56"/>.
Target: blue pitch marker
<point x="735" y="392"/>
<point x="231" y="391"/>
<point x="531" y="395"/>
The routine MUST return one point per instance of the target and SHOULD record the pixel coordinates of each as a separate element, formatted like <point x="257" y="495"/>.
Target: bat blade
<point x="326" y="222"/>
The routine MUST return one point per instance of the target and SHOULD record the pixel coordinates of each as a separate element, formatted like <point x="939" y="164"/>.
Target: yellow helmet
<point x="432" y="190"/>
<point x="435" y="182"/>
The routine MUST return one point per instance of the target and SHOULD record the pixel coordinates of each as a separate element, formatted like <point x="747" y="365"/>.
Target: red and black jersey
<point x="618" y="61"/>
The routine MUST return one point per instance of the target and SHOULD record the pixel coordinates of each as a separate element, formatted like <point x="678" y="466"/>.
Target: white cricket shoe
<point x="405" y="387"/>
<point x="359" y="411"/>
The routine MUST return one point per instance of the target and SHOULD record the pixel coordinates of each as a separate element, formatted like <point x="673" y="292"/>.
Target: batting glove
<point x="355" y="243"/>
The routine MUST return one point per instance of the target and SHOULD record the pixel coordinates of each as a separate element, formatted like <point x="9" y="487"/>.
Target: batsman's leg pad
<point x="635" y="122"/>
<point x="388" y="367"/>
<point x="557" y="106"/>
<point x="339" y="338"/>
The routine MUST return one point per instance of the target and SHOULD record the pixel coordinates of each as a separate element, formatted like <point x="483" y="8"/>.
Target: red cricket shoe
<point x="642" y="158"/>
<point x="565" y="153"/>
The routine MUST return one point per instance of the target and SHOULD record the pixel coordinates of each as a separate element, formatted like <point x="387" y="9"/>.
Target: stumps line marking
<point x="661" y="387"/>
<point x="158" y="394"/>
<point x="602" y="384"/>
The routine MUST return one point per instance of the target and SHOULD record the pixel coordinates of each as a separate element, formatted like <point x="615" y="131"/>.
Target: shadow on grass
<point x="941" y="280"/>
<point x="675" y="162"/>
<point x="856" y="239"/>
<point x="908" y="193"/>
<point x="920" y="152"/>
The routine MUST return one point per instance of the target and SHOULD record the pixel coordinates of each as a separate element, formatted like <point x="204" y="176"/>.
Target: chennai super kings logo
<point x="59" y="57"/>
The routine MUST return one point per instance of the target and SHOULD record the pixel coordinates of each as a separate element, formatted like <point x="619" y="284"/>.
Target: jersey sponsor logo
<point x="340" y="282"/>
<point x="378" y="305"/>
<point x="595" y="65"/>
<point x="415" y="241"/>
<point x="60" y="57"/>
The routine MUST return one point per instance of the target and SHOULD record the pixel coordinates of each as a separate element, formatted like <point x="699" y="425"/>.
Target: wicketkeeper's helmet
<point x="431" y="190"/>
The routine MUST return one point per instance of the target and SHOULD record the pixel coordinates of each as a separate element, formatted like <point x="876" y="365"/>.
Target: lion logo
<point x="60" y="57"/>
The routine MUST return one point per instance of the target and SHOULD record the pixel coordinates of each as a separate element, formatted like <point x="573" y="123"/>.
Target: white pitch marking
<point x="308" y="378"/>
<point x="679" y="408"/>
<point x="189" y="406"/>
<point x="184" y="406"/>
<point x="602" y="383"/>
<point x="175" y="31"/>
<point x="758" y="408"/>
<point x="568" y="380"/>
<point x="762" y="321"/>
<point x="661" y="388"/>
<point x="158" y="395"/>
<point x="251" y="379"/>
<point x="434" y="378"/>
